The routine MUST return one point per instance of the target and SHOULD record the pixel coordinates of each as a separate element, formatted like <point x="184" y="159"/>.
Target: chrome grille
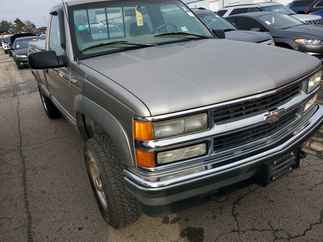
<point x="317" y="21"/>
<point x="252" y="134"/>
<point x="252" y="107"/>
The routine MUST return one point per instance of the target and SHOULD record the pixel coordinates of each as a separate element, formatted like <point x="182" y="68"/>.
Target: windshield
<point x="279" y="21"/>
<point x="214" y="21"/>
<point x="278" y="9"/>
<point x="22" y="43"/>
<point x="140" y="23"/>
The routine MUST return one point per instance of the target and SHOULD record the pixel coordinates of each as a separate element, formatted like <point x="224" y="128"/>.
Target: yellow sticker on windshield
<point x="139" y="18"/>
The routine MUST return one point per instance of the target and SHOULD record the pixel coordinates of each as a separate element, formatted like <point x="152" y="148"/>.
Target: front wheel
<point x="49" y="107"/>
<point x="118" y="207"/>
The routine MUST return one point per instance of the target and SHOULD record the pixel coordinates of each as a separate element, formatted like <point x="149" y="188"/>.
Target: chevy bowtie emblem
<point x="273" y="116"/>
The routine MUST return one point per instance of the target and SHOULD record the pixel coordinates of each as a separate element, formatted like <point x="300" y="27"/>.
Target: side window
<point x="233" y="21"/>
<point x="248" y="24"/>
<point x="221" y="12"/>
<point x="244" y="10"/>
<point x="54" y="37"/>
<point x="239" y="10"/>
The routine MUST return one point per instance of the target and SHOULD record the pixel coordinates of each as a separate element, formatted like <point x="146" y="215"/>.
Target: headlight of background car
<point x="314" y="81"/>
<point x="21" y="56"/>
<point x="302" y="41"/>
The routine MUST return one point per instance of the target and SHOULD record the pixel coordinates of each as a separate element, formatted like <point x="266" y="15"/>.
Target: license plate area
<point x="277" y="168"/>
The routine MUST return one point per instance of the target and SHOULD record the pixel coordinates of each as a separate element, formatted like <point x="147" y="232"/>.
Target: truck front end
<point x="195" y="152"/>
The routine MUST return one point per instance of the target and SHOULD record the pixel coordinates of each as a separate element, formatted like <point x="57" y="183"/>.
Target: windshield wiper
<point x="120" y="42"/>
<point x="186" y="34"/>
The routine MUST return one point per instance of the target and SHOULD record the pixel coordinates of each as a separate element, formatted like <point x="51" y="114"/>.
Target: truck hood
<point x="182" y="76"/>
<point x="248" y="36"/>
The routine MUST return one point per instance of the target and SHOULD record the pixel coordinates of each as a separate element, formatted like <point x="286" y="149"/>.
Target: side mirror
<point x="219" y="33"/>
<point x="46" y="60"/>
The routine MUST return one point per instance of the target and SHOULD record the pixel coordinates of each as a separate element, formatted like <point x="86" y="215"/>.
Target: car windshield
<point x="214" y="21"/>
<point x="116" y="26"/>
<point x="279" y="21"/>
<point x="278" y="9"/>
<point x="22" y="43"/>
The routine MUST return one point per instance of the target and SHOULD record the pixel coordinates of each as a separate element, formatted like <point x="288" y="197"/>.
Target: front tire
<point x="118" y="207"/>
<point x="19" y="65"/>
<point x="49" y="107"/>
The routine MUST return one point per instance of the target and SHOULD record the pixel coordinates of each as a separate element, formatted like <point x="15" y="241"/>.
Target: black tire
<point x="49" y="107"/>
<point x="19" y="66"/>
<point x="120" y="207"/>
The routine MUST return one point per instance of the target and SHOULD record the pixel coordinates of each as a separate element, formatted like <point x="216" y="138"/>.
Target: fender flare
<point x="110" y="125"/>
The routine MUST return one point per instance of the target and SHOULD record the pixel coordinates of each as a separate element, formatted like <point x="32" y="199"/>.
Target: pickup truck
<point x="166" y="110"/>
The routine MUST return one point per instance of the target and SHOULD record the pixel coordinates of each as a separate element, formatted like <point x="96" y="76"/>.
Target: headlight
<point x="308" y="41"/>
<point x="181" y="154"/>
<point x="180" y="126"/>
<point x="147" y="131"/>
<point x="310" y="103"/>
<point x="314" y="81"/>
<point x="169" y="128"/>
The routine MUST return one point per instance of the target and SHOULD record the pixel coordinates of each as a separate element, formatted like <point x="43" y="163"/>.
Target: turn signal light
<point x="145" y="159"/>
<point x="143" y="130"/>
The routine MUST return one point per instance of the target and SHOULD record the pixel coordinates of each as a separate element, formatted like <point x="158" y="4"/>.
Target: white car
<point x="5" y="44"/>
<point x="212" y="5"/>
<point x="268" y="7"/>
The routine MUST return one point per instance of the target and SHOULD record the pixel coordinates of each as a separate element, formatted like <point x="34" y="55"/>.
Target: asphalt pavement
<point x="45" y="194"/>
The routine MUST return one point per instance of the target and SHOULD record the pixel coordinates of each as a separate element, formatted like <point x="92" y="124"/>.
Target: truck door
<point x="62" y="86"/>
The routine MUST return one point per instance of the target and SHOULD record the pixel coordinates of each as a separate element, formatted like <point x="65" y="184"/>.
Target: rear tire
<point x="118" y="207"/>
<point x="49" y="107"/>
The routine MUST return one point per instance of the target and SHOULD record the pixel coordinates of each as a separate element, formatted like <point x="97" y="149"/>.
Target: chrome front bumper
<point x="190" y="182"/>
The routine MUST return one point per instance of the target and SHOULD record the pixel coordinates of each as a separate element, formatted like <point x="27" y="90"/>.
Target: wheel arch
<point x="92" y="118"/>
<point x="284" y="45"/>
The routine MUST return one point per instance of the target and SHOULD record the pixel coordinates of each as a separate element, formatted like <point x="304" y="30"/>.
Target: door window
<point x="244" y="10"/>
<point x="55" y="37"/>
<point x="248" y="24"/>
<point x="221" y="12"/>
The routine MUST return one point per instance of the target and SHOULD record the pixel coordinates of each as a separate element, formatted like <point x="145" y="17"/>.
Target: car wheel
<point x="118" y="207"/>
<point x="49" y="107"/>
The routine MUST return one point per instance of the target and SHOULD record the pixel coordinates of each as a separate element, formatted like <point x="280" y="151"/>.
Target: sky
<point x="33" y="10"/>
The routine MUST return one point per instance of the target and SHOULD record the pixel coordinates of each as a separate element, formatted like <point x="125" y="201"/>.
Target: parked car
<point x="19" y="50"/>
<point x="288" y="32"/>
<point x="269" y="7"/>
<point x="216" y="23"/>
<point x="167" y="111"/>
<point x="12" y="39"/>
<point x="5" y="45"/>
<point x="212" y="5"/>
<point x="306" y="6"/>
<point x="317" y="13"/>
